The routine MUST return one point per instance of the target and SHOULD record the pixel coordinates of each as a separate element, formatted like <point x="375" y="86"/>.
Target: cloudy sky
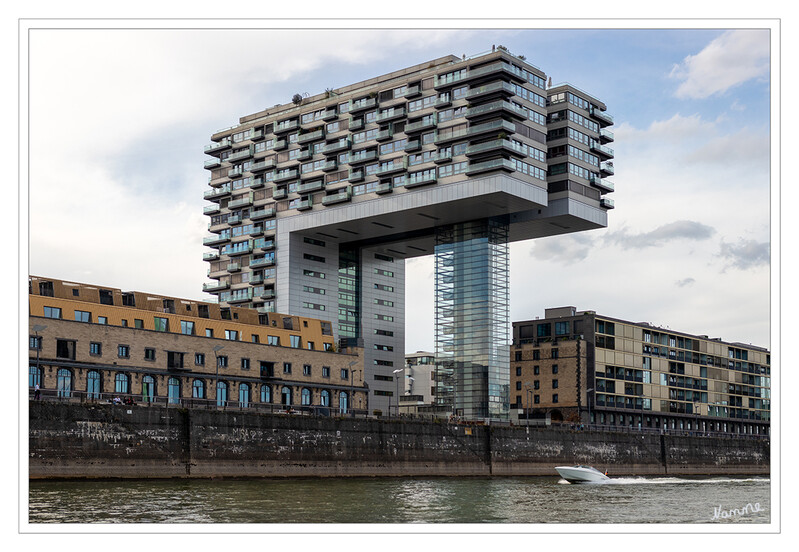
<point x="117" y="121"/>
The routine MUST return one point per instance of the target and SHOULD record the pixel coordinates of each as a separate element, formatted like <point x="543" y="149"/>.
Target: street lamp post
<point x="588" y="400"/>
<point x="352" y="386"/>
<point x="396" y="380"/>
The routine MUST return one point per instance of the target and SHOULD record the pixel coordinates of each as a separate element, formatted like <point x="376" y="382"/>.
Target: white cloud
<point x="730" y="60"/>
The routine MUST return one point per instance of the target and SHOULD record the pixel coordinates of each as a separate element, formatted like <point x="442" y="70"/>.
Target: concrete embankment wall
<point x="101" y="441"/>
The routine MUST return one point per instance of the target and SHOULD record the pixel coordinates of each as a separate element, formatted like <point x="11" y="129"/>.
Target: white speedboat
<point x="581" y="474"/>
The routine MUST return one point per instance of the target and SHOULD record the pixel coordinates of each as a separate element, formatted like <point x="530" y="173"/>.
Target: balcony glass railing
<point x="312" y="186"/>
<point x="493" y="164"/>
<point x="262" y="213"/>
<point x="217" y="192"/>
<point x="494" y="107"/>
<point x="363" y="103"/>
<point x="340" y="196"/>
<point x="310" y="136"/>
<point x="284" y="126"/>
<point x="224" y="143"/>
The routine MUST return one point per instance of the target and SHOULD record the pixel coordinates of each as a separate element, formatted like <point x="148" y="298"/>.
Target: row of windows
<point x="123" y="386"/>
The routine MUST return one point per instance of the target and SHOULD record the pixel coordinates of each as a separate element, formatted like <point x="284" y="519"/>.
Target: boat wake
<point x="675" y="481"/>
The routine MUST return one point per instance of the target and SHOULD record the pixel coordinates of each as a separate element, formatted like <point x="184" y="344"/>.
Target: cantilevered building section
<point x="317" y="203"/>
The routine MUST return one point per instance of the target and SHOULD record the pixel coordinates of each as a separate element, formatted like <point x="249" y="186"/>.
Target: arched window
<point x="244" y="395"/>
<point x="266" y="394"/>
<point x="221" y="393"/>
<point x="147" y="389"/>
<point x="305" y="396"/>
<point x="285" y="395"/>
<point x="93" y="386"/>
<point x="173" y="390"/>
<point x="198" y="389"/>
<point x="324" y="398"/>
<point x="122" y="383"/>
<point x="64" y="382"/>
<point x="34" y="377"/>
<point x="342" y="402"/>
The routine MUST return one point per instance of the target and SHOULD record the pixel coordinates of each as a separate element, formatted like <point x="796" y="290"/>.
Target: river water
<point x="473" y="500"/>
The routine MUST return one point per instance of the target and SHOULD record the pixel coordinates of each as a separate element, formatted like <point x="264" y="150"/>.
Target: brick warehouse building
<point x="584" y="367"/>
<point x="93" y="343"/>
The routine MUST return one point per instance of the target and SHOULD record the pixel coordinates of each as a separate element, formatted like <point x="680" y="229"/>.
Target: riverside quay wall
<point x="111" y="441"/>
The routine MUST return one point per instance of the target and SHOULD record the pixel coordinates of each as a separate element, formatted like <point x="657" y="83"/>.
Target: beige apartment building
<point x="583" y="367"/>
<point x="92" y="343"/>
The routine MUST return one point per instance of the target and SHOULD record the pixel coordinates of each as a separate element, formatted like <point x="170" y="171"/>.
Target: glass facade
<point x="472" y="321"/>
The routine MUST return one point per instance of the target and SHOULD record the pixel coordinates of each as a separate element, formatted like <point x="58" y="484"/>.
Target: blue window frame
<point x="122" y="383"/>
<point x="64" y="383"/>
<point x="244" y="395"/>
<point x="147" y="389"/>
<point x="173" y="390"/>
<point x="342" y="402"/>
<point x="221" y="393"/>
<point x="198" y="389"/>
<point x="305" y="396"/>
<point x="93" y="384"/>
<point x="285" y="395"/>
<point x="324" y="398"/>
<point x="34" y="377"/>
<point x="266" y="394"/>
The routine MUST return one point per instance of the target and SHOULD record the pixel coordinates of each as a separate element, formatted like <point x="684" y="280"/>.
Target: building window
<point x="161" y="324"/>
<point x="199" y="359"/>
<point x="518" y="370"/>
<point x="273" y="340"/>
<point x="173" y="391"/>
<point x="256" y="338"/>
<point x="324" y="398"/>
<point x="325" y="371"/>
<point x="95" y="348"/>
<point x="544" y="330"/>
<point x="306" y="369"/>
<point x="149" y="353"/>
<point x="174" y="360"/>
<point x="554" y="368"/>
<point x="286" y="367"/>
<point x="122" y="383"/>
<point x="35" y="342"/>
<point x="536" y="399"/>
<point x="267" y="369"/>
<point x="221" y="393"/>
<point x="266" y="394"/>
<point x="93" y="384"/>
<point x="561" y="328"/>
<point x="46" y="289"/>
<point x="209" y="332"/>
<point x="123" y="351"/>
<point x="232" y="335"/>
<point x="102" y="320"/>
<point x="198" y="389"/>
<point x="554" y="353"/>
<point x="245" y="364"/>
<point x="34" y="376"/>
<point x="305" y="396"/>
<point x="296" y="342"/>
<point x="285" y="395"/>
<point x="221" y="361"/>
<point x="554" y="397"/>
<point x="52" y="312"/>
<point x="342" y="402"/>
<point x="554" y="384"/>
<point x="148" y="389"/>
<point x="244" y="395"/>
<point x="345" y="374"/>
<point x="518" y="386"/>
<point x="138" y="323"/>
<point x="64" y="382"/>
<point x="186" y="327"/>
<point x="536" y="370"/>
<point x="65" y="349"/>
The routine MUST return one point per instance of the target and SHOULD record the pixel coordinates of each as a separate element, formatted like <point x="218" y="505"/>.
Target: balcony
<point x="301" y="204"/>
<point x="443" y="157"/>
<point x="257" y="230"/>
<point x="363" y="156"/>
<point x="604" y="185"/>
<point x="260" y="263"/>
<point x="268" y="293"/>
<point x="395" y="166"/>
<point x="603" y="118"/>
<point x="238" y="156"/>
<point x="498" y="127"/>
<point x="240" y="296"/>
<point x="390" y="114"/>
<point x="235" y="172"/>
<point x="217" y="192"/>
<point x="486" y="72"/>
<point x="385" y="134"/>
<point x="234" y="267"/>
<point x="345" y="194"/>
<point x="216" y="240"/>
<point x="496" y="108"/>
<point x="266" y="245"/>
<point x="492" y="146"/>
<point x="603" y="151"/>
<point x="212" y="163"/>
<point x="240" y="202"/>
<point x="304" y="154"/>
<point x="337" y="146"/>
<point x="262" y="165"/>
<point x="280" y="144"/>
<point x="444" y="100"/>
<point x="279" y="193"/>
<point x="287" y="174"/>
<point x="362" y="104"/>
<point x="215" y="286"/>
<point x="355" y="175"/>
<point x="492" y="165"/>
<point x="606" y="169"/>
<point x="238" y="248"/>
<point x="215" y="147"/>
<point x="211" y="256"/>
<point x="317" y="134"/>
<point x="413" y="91"/>
<point x="417" y="126"/>
<point x="257" y="182"/>
<point x="499" y="88"/>
<point x="413" y="145"/>
<point x="384" y="188"/>
<point x="211" y="209"/>
<point x="266" y="212"/>
<point x="312" y="186"/>
<point x="356" y="124"/>
<point x="607" y="203"/>
<point x="420" y="180"/>
<point x="286" y="126"/>
<point x="605" y="136"/>
<point x="233" y="220"/>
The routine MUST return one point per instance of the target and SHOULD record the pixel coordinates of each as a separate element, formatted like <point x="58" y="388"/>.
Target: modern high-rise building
<point x="316" y="204"/>
<point x="585" y="367"/>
